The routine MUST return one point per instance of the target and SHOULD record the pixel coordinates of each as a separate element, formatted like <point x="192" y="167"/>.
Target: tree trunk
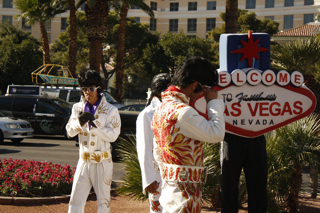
<point x="294" y="189"/>
<point x="96" y="30"/>
<point x="73" y="39"/>
<point x="121" y="49"/>
<point x="231" y="16"/>
<point x="314" y="173"/>
<point x="45" y="45"/>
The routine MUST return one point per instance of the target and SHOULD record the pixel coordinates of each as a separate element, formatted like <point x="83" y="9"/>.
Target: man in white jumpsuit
<point x="150" y="173"/>
<point x="97" y="123"/>
<point x="180" y="131"/>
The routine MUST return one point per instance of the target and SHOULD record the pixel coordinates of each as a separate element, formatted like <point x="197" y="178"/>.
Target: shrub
<point x="33" y="178"/>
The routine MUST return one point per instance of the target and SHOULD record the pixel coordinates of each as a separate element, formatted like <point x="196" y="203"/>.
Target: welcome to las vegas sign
<point x="257" y="101"/>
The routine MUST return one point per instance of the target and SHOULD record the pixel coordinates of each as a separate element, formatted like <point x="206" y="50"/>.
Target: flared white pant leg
<point x="180" y="197"/>
<point x="98" y="175"/>
<point x="102" y="185"/>
<point x="80" y="188"/>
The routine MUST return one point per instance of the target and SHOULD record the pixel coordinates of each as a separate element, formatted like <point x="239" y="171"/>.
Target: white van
<point x="68" y="94"/>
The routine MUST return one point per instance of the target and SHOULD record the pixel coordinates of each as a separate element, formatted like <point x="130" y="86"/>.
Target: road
<point x="58" y="150"/>
<point x="55" y="149"/>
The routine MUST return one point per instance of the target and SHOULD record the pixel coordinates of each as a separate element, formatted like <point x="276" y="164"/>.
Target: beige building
<point x="194" y="17"/>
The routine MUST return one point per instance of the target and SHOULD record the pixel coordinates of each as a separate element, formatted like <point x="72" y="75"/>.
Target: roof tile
<point x="304" y="30"/>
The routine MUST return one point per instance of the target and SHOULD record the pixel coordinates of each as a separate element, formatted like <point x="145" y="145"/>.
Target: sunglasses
<point x="90" y="89"/>
<point x="204" y="86"/>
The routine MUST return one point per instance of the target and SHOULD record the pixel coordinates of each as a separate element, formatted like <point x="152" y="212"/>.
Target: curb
<point x="38" y="200"/>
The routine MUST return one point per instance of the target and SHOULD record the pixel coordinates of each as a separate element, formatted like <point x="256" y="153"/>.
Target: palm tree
<point x="298" y="144"/>
<point x="97" y="12"/>
<point x="132" y="180"/>
<point x="124" y="7"/>
<point x="211" y="160"/>
<point x="39" y="11"/>
<point x="73" y="38"/>
<point x="72" y="33"/>
<point x="231" y="16"/>
<point x="302" y="55"/>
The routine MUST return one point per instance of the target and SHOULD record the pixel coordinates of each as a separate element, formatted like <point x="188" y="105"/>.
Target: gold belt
<point x="95" y="157"/>
<point x="182" y="173"/>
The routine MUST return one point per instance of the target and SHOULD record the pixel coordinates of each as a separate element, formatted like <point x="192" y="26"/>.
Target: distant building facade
<point x="194" y="17"/>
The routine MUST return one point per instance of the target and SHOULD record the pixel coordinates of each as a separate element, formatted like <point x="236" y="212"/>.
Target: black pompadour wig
<point x="89" y="78"/>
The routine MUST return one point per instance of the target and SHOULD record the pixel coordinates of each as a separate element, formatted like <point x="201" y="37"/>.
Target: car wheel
<point x="1" y="137"/>
<point x="16" y="140"/>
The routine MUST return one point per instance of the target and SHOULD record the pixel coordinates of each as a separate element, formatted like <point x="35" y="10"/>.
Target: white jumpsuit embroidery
<point x="95" y="166"/>
<point x="149" y="168"/>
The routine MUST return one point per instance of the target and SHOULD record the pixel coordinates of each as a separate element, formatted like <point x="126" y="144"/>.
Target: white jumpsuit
<point x="95" y="166"/>
<point x="179" y="132"/>
<point x="149" y="168"/>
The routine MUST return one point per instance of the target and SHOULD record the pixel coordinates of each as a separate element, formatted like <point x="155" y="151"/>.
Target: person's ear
<point x="196" y="87"/>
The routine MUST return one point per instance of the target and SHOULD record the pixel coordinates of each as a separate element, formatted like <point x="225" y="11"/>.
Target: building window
<point x="173" y="25"/>
<point x="7" y="4"/>
<point x="192" y="25"/>
<point x="153" y="24"/>
<point x="7" y="19"/>
<point x="192" y="6"/>
<point x="24" y="26"/>
<point x="288" y="22"/>
<point x="308" y="2"/>
<point x="64" y="23"/>
<point x="82" y="6"/>
<point x="211" y="24"/>
<point x="270" y="17"/>
<point x="211" y="5"/>
<point x="288" y="3"/>
<point x="192" y="36"/>
<point x="134" y="7"/>
<point x="174" y="6"/>
<point x="137" y="19"/>
<point x="250" y="4"/>
<point x="154" y="5"/>
<point x="269" y="4"/>
<point x="307" y="18"/>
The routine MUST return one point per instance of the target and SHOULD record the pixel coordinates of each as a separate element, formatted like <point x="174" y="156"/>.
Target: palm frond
<point x="132" y="181"/>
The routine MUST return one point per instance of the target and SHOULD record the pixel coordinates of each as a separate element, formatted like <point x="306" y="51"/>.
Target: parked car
<point x="47" y="116"/>
<point x="128" y="128"/>
<point x="68" y="94"/>
<point x="133" y="107"/>
<point x="14" y="129"/>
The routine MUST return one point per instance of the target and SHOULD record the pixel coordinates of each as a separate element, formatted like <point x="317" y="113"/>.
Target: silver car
<point x="14" y="129"/>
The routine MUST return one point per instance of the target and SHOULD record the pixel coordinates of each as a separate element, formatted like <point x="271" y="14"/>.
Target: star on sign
<point x="250" y="49"/>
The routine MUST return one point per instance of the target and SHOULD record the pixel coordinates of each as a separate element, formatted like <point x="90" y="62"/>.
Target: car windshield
<point x="6" y="114"/>
<point x="109" y="98"/>
<point x="63" y="104"/>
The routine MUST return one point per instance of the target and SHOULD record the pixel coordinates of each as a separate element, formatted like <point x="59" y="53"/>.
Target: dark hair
<point x="89" y="78"/>
<point x="195" y="69"/>
<point x="159" y="84"/>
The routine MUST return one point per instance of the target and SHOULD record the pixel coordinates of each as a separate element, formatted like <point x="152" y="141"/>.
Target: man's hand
<point x="152" y="188"/>
<point x="85" y="117"/>
<point x="210" y="94"/>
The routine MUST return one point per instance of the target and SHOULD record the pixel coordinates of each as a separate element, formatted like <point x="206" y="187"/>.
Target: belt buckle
<point x="183" y="175"/>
